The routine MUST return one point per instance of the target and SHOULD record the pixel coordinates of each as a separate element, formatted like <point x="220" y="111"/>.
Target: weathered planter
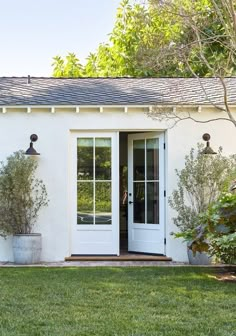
<point x="27" y="248"/>
<point x="200" y="258"/>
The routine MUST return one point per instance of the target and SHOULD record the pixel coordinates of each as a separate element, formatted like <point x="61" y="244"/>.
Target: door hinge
<point x="164" y="241"/>
<point x="164" y="193"/>
<point x="164" y="145"/>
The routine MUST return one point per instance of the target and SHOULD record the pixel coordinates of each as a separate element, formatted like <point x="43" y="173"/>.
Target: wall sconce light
<point x="207" y="150"/>
<point x="31" y="150"/>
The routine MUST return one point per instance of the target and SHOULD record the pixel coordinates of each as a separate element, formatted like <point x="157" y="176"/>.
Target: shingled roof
<point x="15" y="91"/>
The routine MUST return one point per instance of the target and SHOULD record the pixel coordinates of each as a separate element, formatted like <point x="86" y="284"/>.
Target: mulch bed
<point x="226" y="274"/>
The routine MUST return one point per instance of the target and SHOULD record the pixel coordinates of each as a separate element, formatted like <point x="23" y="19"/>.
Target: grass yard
<point x="115" y="301"/>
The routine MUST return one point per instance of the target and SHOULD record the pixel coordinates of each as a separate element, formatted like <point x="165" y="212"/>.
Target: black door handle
<point x="130" y="202"/>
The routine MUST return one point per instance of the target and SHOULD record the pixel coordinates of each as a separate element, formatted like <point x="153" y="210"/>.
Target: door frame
<point x="72" y="192"/>
<point x="71" y="178"/>
<point x="162" y="182"/>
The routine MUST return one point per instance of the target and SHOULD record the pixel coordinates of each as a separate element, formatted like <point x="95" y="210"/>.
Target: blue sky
<point x="33" y="31"/>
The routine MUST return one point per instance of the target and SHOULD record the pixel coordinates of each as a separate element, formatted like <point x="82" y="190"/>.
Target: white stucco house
<point x="108" y="168"/>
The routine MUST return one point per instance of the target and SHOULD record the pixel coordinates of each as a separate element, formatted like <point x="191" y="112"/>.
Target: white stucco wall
<point x="54" y="132"/>
<point x="180" y="140"/>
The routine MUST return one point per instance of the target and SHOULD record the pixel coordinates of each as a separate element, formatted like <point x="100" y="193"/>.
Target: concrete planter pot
<point x="27" y="248"/>
<point x="200" y="258"/>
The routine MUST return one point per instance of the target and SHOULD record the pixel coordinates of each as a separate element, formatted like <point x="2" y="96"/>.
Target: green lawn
<point x="115" y="301"/>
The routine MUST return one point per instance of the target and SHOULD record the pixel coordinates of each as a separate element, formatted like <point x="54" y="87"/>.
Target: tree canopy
<point x="162" y="38"/>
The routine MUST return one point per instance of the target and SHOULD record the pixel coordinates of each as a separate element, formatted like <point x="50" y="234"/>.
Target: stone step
<point x="122" y="257"/>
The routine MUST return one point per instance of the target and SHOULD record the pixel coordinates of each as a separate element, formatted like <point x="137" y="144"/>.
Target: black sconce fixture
<point x="31" y="150"/>
<point x="207" y="150"/>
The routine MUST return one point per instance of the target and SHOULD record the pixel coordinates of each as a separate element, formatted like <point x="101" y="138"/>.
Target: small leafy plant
<point x="22" y="195"/>
<point x="221" y="228"/>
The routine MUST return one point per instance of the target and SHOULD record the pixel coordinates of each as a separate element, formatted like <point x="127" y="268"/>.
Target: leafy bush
<point x="221" y="226"/>
<point x="224" y="248"/>
<point x="217" y="231"/>
<point x="22" y="195"/>
<point x="200" y="183"/>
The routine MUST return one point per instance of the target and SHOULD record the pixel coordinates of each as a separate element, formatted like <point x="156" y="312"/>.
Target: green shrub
<point x="199" y="184"/>
<point x="221" y="223"/>
<point x="22" y="195"/>
<point x="216" y="232"/>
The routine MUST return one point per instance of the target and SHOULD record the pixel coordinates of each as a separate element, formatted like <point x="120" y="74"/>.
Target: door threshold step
<point x="132" y="257"/>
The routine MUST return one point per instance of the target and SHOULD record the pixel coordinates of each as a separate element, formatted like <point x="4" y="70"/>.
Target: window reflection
<point x="152" y="158"/>
<point x="85" y="158"/>
<point x="85" y="203"/>
<point x="103" y="203"/>
<point x="139" y="202"/>
<point x="153" y="203"/>
<point x="103" y="159"/>
<point x="139" y="159"/>
<point x="93" y="197"/>
<point x="146" y="181"/>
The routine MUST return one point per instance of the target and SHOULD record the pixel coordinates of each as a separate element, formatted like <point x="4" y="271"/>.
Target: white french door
<point x="146" y="193"/>
<point x="95" y="171"/>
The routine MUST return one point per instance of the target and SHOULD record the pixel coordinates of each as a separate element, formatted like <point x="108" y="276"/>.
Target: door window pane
<point x="85" y="203"/>
<point x="139" y="202"/>
<point x="152" y="157"/>
<point x="93" y="195"/>
<point x="152" y="202"/>
<point x="139" y="160"/>
<point x="146" y="181"/>
<point x="103" y="203"/>
<point x="103" y="158"/>
<point x="85" y="158"/>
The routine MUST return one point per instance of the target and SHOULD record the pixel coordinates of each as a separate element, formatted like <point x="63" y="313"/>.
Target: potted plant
<point x="22" y="195"/>
<point x="199" y="184"/>
<point x="197" y="245"/>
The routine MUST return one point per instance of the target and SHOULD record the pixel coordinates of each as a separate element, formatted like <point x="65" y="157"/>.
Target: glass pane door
<point x="94" y="194"/>
<point x="146" y="184"/>
<point x="146" y="181"/>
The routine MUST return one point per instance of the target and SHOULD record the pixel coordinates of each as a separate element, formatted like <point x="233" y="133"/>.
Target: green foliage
<point x="224" y="248"/>
<point x="216" y="232"/>
<point x="221" y="225"/>
<point x="69" y="68"/>
<point x="199" y="185"/>
<point x="115" y="58"/>
<point x="85" y="197"/>
<point x="161" y="38"/>
<point x="22" y="195"/>
<point x="201" y="42"/>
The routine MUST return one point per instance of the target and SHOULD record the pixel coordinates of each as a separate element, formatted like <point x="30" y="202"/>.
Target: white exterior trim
<point x="113" y="108"/>
<point x="76" y="244"/>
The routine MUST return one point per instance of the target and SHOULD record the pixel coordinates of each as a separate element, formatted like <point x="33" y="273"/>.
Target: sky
<point x="33" y="31"/>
